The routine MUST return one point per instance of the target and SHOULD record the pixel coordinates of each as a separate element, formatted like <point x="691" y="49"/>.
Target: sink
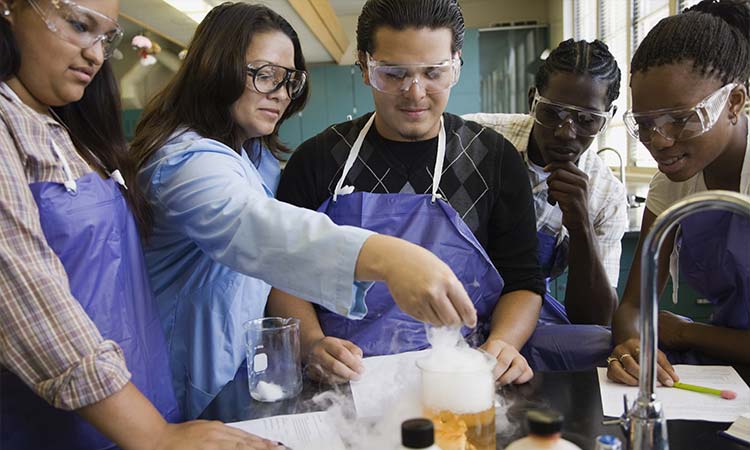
<point x="635" y="201"/>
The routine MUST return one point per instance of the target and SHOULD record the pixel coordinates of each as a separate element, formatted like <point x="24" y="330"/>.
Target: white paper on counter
<point x="682" y="404"/>
<point x="308" y="431"/>
<point x="383" y="381"/>
<point x="740" y="429"/>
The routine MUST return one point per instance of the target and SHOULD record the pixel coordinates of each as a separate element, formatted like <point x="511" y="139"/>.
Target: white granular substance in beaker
<point x="267" y="392"/>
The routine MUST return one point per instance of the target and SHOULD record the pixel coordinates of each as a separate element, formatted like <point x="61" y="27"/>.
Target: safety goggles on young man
<point x="270" y="78"/>
<point x="679" y="124"/>
<point x="585" y="122"/>
<point x="398" y="78"/>
<point x="78" y="25"/>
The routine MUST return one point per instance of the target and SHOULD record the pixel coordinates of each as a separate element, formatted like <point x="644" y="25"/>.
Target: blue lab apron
<point x="714" y="260"/>
<point x="552" y="250"/>
<point x="553" y="260"/>
<point x="425" y="220"/>
<point x="88" y="225"/>
<point x="556" y="344"/>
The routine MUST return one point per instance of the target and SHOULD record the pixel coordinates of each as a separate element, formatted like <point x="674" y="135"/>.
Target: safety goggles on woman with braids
<point x="679" y="124"/>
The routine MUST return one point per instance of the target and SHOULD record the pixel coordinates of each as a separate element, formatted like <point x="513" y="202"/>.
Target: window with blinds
<point x="585" y="28"/>
<point x="585" y="22"/>
<point x="646" y="14"/>
<point x="622" y="25"/>
<point x="614" y="30"/>
<point x="682" y="4"/>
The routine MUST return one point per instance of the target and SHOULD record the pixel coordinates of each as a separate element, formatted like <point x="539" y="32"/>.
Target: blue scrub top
<point x="219" y="242"/>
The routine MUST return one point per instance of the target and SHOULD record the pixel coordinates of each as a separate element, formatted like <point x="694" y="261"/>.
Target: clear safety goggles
<point x="585" y="122"/>
<point x="399" y="78"/>
<point x="270" y="78"/>
<point x="679" y="124"/>
<point x="78" y="25"/>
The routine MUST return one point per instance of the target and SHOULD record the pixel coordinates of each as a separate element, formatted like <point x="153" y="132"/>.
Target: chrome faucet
<point x="619" y="157"/>
<point x="645" y="424"/>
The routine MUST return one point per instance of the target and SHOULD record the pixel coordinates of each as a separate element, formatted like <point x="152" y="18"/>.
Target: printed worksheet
<point x="308" y="431"/>
<point x="740" y="429"/>
<point x="682" y="404"/>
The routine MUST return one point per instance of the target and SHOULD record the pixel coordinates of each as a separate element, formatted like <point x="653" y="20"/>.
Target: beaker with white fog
<point x="458" y="395"/>
<point x="274" y="370"/>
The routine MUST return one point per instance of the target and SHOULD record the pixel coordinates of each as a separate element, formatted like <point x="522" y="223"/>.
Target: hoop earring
<point x="733" y="120"/>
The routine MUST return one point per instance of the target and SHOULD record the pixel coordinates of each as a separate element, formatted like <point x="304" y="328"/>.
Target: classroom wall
<point x="560" y="27"/>
<point x="487" y="13"/>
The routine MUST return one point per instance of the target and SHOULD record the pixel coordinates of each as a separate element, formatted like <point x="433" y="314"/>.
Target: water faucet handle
<point x="624" y="420"/>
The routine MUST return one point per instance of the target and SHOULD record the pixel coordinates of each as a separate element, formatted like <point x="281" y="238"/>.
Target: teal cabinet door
<point x="339" y="81"/>
<point x="290" y="132"/>
<point x="130" y="119"/>
<point x="315" y="115"/>
<point x="689" y="303"/>
<point x="363" y="102"/>
<point x="465" y="96"/>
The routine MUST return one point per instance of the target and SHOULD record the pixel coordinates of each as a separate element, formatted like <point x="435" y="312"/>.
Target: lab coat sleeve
<point x="213" y="197"/>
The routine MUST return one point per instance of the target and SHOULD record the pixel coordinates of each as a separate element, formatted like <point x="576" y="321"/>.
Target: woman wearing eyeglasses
<point x="688" y="110"/>
<point x="219" y="239"/>
<point x="83" y="360"/>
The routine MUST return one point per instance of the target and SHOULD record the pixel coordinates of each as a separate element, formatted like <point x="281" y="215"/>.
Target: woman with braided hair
<point x="689" y="86"/>
<point x="580" y="206"/>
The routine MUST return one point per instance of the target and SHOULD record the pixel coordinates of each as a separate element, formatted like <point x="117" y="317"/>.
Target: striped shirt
<point x="46" y="338"/>
<point x="607" y="197"/>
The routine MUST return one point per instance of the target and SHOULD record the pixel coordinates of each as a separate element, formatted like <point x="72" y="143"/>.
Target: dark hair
<point x="402" y="14"/>
<point x="94" y="123"/>
<point x="212" y="77"/>
<point x="10" y="56"/>
<point x="714" y="35"/>
<point x="584" y="58"/>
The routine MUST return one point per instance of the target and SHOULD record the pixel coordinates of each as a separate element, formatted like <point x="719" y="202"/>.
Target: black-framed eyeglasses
<point x="270" y="78"/>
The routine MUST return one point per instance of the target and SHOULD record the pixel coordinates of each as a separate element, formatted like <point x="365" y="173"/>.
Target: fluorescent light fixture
<point x="195" y="9"/>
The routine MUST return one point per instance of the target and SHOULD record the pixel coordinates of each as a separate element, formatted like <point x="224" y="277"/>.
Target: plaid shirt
<point x="46" y="338"/>
<point x="607" y="196"/>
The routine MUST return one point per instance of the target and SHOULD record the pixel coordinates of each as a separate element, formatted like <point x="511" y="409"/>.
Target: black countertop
<point x="575" y="394"/>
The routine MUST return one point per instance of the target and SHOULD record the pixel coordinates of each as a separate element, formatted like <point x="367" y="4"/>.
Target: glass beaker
<point x="459" y="397"/>
<point x="274" y="371"/>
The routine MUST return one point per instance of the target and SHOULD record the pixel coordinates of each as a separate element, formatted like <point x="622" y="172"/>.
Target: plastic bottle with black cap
<point x="545" y="428"/>
<point x="418" y="434"/>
